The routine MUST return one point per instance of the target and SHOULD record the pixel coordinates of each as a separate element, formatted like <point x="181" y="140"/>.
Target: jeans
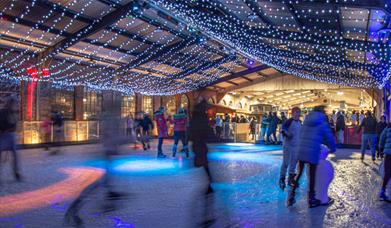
<point x="263" y="133"/>
<point x="8" y="143"/>
<point x="312" y="173"/>
<point x="371" y="139"/>
<point x="387" y="170"/>
<point x="159" y="146"/>
<point x="180" y="135"/>
<point x="271" y="132"/>
<point x="340" y="136"/>
<point x="289" y="161"/>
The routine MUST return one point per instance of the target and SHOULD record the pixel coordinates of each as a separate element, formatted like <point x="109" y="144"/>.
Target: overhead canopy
<point x="169" y="47"/>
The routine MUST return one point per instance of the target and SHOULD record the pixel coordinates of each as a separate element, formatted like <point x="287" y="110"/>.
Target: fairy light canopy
<point x="167" y="47"/>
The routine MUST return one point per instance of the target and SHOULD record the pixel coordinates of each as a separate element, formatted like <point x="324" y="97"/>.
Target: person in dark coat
<point x="340" y="128"/>
<point x="314" y="132"/>
<point x="272" y="128"/>
<point x="8" y="124"/>
<point x="199" y="130"/>
<point x="385" y="147"/>
<point x="379" y="129"/>
<point x="369" y="135"/>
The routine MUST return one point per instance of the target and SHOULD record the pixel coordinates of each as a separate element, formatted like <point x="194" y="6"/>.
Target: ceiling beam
<point x="105" y="21"/>
<point x="146" y="57"/>
<point x="259" y="12"/>
<point x="256" y="81"/>
<point x="204" y="67"/>
<point x="250" y="80"/>
<point x="240" y="74"/>
<point x="231" y="82"/>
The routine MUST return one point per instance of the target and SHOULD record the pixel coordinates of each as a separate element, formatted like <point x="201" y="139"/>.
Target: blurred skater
<point x="162" y="130"/>
<point x="314" y="132"/>
<point x="381" y="125"/>
<point x="180" y="125"/>
<point x="8" y="124"/>
<point x="58" y="122"/>
<point x="46" y="126"/>
<point x="291" y="132"/>
<point x="147" y="127"/>
<point x="111" y="140"/>
<point x="199" y="131"/>
<point x="385" y="147"/>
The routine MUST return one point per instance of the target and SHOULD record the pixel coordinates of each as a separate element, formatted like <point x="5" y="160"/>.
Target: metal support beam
<point x="145" y="57"/>
<point x="85" y="32"/>
<point x="258" y="11"/>
<point x="240" y="74"/>
<point x="204" y="67"/>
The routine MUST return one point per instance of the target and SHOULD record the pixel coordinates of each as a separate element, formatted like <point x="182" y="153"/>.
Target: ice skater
<point x="291" y="132"/>
<point x="8" y="123"/>
<point x="369" y="135"/>
<point x="162" y="131"/>
<point x="180" y="125"/>
<point x="111" y="140"/>
<point x="314" y="132"/>
<point x="385" y="147"/>
<point x="198" y="134"/>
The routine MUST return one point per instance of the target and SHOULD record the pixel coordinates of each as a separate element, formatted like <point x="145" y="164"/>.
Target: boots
<point x="291" y="197"/>
<point x="186" y="149"/>
<point x="291" y="180"/>
<point x="281" y="183"/>
<point x="160" y="154"/>
<point x="174" y="148"/>
<point x="383" y="196"/>
<point x="312" y="201"/>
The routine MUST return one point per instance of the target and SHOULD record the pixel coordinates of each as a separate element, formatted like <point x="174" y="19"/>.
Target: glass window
<point x="170" y="106"/>
<point x="63" y="102"/>
<point x="92" y="102"/>
<point x="128" y="106"/>
<point x="147" y="105"/>
<point x="184" y="102"/>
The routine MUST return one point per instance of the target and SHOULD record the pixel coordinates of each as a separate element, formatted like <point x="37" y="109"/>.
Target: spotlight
<point x="136" y="8"/>
<point x="250" y="62"/>
<point x="201" y="40"/>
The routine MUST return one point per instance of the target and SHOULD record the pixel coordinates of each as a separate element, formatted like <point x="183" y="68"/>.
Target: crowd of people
<point x="306" y="143"/>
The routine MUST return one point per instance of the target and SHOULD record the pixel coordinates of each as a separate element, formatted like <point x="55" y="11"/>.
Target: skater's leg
<point x="285" y="163"/>
<point x="364" y="143"/>
<point x="387" y="171"/>
<point x="176" y="140"/>
<point x="373" y="146"/>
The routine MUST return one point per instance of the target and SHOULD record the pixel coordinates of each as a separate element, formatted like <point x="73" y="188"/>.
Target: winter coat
<point x="146" y="123"/>
<point x="161" y="124"/>
<point x="369" y="125"/>
<point x="340" y="125"/>
<point x="385" y="141"/>
<point x="265" y="122"/>
<point x="380" y="127"/>
<point x="291" y="131"/>
<point x="180" y="122"/>
<point x="273" y="121"/>
<point x="314" y="132"/>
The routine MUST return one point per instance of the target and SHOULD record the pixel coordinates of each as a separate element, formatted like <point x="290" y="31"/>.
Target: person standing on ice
<point x="291" y="132"/>
<point x="180" y="125"/>
<point x="369" y="135"/>
<point x="385" y="147"/>
<point x="314" y="132"/>
<point x="162" y="130"/>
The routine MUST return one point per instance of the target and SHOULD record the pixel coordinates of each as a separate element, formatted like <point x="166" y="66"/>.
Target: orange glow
<point x="77" y="180"/>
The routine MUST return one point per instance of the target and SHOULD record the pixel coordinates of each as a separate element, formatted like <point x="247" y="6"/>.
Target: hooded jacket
<point x="314" y="132"/>
<point x="385" y="141"/>
<point x="180" y="122"/>
<point x="161" y="124"/>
